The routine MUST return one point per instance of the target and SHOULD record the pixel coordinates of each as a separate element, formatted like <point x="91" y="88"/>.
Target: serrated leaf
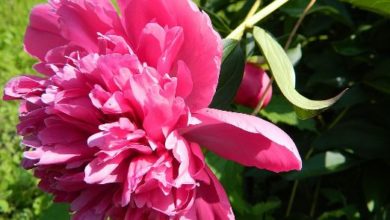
<point x="232" y="70"/>
<point x="283" y="70"/>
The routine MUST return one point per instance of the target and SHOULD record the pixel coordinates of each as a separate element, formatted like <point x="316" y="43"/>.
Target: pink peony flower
<point x="253" y="87"/>
<point x="115" y="125"/>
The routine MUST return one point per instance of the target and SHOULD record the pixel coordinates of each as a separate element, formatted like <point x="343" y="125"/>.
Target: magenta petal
<point x="82" y="21"/>
<point x="245" y="139"/>
<point x="211" y="202"/>
<point x="43" y="32"/>
<point x="151" y="44"/>
<point x="23" y="86"/>
<point x="203" y="63"/>
<point x="253" y="87"/>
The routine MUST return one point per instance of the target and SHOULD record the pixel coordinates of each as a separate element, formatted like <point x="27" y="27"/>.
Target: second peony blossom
<point x="115" y="124"/>
<point x="254" y="87"/>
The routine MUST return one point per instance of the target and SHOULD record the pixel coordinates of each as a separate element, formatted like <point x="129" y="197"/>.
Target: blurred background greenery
<point x="19" y="196"/>
<point x="346" y="149"/>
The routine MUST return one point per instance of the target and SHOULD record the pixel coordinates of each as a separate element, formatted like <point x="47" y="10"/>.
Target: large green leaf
<point x="323" y="163"/>
<point x="377" y="6"/>
<point x="361" y="136"/>
<point x="284" y="74"/>
<point x="232" y="70"/>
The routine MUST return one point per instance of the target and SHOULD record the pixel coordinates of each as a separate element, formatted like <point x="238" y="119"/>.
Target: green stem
<point x="295" y="186"/>
<point x="315" y="198"/>
<point x="299" y="22"/>
<point x="261" y="101"/>
<point x="338" y="118"/>
<point x="292" y="197"/>
<point x="253" y="10"/>
<point x="251" y="21"/>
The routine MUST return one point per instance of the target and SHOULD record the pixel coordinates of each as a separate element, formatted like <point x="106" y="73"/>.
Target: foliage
<point x="345" y="149"/>
<point x="19" y="197"/>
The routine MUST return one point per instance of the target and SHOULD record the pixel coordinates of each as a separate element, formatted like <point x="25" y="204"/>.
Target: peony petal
<point x="82" y="21"/>
<point x="203" y="63"/>
<point x="151" y="44"/>
<point x="60" y="153"/>
<point x="43" y="32"/>
<point x="253" y="87"/>
<point x="181" y="152"/>
<point x="138" y="167"/>
<point x="184" y="80"/>
<point x="103" y="170"/>
<point x="245" y="139"/>
<point x="23" y="86"/>
<point x="211" y="202"/>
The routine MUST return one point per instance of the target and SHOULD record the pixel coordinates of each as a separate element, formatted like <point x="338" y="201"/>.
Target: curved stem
<point x="299" y="22"/>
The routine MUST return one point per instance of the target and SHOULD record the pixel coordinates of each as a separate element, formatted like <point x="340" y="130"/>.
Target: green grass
<point x="19" y="197"/>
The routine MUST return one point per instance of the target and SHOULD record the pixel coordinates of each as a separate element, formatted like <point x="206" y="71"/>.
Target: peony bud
<point x="253" y="86"/>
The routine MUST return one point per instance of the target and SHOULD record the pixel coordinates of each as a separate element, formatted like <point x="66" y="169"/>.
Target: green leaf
<point x="230" y="175"/>
<point x="280" y="111"/>
<point x="321" y="164"/>
<point x="349" y="212"/>
<point x="362" y="137"/>
<point x="218" y="23"/>
<point x="4" y="206"/>
<point x="377" y="6"/>
<point x="262" y="208"/>
<point x="375" y="187"/>
<point x="283" y="72"/>
<point x="56" y="211"/>
<point x="295" y="54"/>
<point x="379" y="77"/>
<point x="348" y="47"/>
<point x="232" y="70"/>
<point x="333" y="196"/>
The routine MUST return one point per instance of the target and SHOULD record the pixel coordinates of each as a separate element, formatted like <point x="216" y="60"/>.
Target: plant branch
<point x="295" y="186"/>
<point x="237" y="33"/>
<point x="253" y="10"/>
<point x="261" y="101"/>
<point x="315" y="198"/>
<point x="299" y="22"/>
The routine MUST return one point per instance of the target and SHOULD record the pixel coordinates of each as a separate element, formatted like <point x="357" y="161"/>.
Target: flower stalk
<point x="252" y="20"/>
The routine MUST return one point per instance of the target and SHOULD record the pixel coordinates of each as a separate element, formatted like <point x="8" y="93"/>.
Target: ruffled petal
<point x="245" y="139"/>
<point x="82" y="21"/>
<point x="211" y="202"/>
<point x="203" y="63"/>
<point x="43" y="32"/>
